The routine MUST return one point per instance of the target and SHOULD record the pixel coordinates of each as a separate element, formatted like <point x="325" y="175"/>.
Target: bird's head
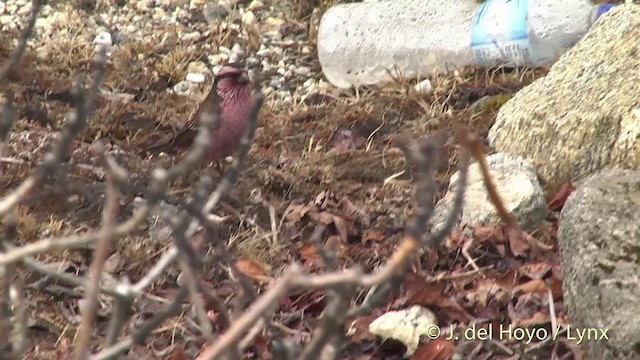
<point x="232" y="79"/>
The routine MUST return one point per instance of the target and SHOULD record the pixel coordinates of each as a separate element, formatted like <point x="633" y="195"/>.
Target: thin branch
<point x="99" y="257"/>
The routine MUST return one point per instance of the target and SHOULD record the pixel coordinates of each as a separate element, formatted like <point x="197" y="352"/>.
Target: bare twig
<point x="99" y="257"/>
<point x="478" y="152"/>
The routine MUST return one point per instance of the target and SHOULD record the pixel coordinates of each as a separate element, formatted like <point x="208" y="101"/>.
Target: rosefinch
<point x="233" y="88"/>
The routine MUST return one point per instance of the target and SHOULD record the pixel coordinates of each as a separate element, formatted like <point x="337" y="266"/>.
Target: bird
<point x="233" y="87"/>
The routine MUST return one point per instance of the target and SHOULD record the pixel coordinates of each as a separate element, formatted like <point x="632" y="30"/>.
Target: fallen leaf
<point x="353" y="212"/>
<point x="177" y="353"/>
<point x="341" y="226"/>
<point x="372" y="235"/>
<point x="529" y="309"/>
<point x="358" y="329"/>
<point x="535" y="270"/>
<point x="488" y="291"/>
<point x="533" y="286"/>
<point x="252" y="270"/>
<point x="436" y="349"/>
<point x="492" y="233"/>
<point x="295" y="212"/>
<point x="558" y="200"/>
<point x="517" y="242"/>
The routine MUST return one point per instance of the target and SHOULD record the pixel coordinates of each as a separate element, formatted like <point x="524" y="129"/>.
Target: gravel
<point x="260" y="33"/>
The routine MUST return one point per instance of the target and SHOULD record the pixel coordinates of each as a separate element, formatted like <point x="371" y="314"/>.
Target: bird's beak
<point x="243" y="79"/>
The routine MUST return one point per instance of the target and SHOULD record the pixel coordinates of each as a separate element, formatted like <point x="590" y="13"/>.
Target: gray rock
<point x="599" y="240"/>
<point x="214" y="13"/>
<point x="515" y="180"/>
<point x="585" y="114"/>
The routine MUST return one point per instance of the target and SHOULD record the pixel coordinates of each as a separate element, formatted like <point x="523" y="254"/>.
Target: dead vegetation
<point x="326" y="185"/>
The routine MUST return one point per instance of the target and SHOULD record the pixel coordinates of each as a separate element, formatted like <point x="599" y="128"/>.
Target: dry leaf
<point x="252" y="270"/>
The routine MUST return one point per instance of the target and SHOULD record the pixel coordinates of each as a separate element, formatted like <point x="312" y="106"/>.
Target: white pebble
<point x="6" y="19"/>
<point x="237" y="49"/>
<point x="264" y="53"/>
<point x="183" y="87"/>
<point x="24" y="10"/>
<point x="218" y="59"/>
<point x="195" y="77"/>
<point x="255" y="5"/>
<point x="303" y="70"/>
<point x="191" y="36"/>
<point x="248" y="18"/>
<point x="424" y="86"/>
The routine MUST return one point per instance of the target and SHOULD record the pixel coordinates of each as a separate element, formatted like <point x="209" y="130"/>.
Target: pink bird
<point x="234" y="89"/>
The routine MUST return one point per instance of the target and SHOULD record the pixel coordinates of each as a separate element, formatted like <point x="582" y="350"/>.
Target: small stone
<point x="255" y="5"/>
<point x="306" y="50"/>
<point x="276" y="83"/>
<point x="192" y="36"/>
<point x="195" y="77"/>
<point x="197" y="67"/>
<point x="2" y="8"/>
<point x="42" y="52"/>
<point x="142" y="5"/>
<point x="264" y="53"/>
<point x="248" y="18"/>
<point x="424" y="87"/>
<point x="233" y="57"/>
<point x="302" y="70"/>
<point x="274" y="34"/>
<point x="218" y="59"/>
<point x="159" y="13"/>
<point x="6" y="19"/>
<point x="11" y="8"/>
<point x="194" y="4"/>
<point x="309" y="83"/>
<point x="214" y="13"/>
<point x="237" y="49"/>
<point x="251" y="61"/>
<point x="274" y="22"/>
<point x="24" y="10"/>
<point x="183" y="87"/>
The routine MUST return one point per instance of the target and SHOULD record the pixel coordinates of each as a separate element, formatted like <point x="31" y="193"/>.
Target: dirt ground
<point x="332" y="150"/>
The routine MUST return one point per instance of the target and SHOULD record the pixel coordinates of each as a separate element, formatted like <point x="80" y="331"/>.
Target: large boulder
<point x="585" y="114"/>
<point x="599" y="241"/>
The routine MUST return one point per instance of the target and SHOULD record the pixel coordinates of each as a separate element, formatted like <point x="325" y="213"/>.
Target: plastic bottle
<point x="360" y="43"/>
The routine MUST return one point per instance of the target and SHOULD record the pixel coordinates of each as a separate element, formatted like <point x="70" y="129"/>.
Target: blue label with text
<point x="499" y="33"/>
